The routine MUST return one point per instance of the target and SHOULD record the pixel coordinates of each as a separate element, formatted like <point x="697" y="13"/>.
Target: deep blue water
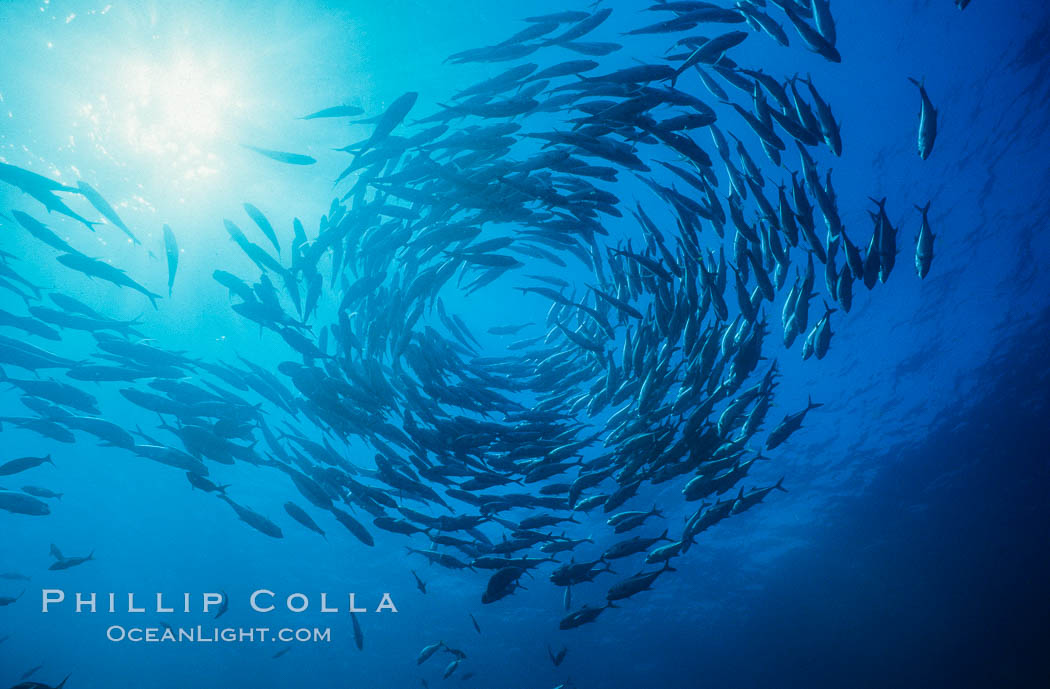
<point x="913" y="546"/>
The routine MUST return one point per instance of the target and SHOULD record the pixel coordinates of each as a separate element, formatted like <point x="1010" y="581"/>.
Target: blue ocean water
<point x="912" y="546"/>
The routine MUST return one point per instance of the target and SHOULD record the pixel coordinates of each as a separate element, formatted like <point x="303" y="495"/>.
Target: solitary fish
<point x="61" y="562"/>
<point x="420" y="584"/>
<point x="171" y="248"/>
<point x="282" y="156"/>
<point x="927" y="121"/>
<point x="359" y="637"/>
<point x="336" y="111"/>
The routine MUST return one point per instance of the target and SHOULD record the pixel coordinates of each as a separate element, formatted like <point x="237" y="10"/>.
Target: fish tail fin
<point x="63" y="682"/>
<point x="780" y="485"/>
<point x="47" y="458"/>
<point x="810" y="404"/>
<point x="663" y="536"/>
<point x="923" y="209"/>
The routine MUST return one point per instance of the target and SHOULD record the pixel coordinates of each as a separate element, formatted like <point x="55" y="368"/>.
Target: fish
<point x="582" y="27"/>
<point x="282" y="156"/>
<point x="102" y="206"/>
<point x="42" y="189"/>
<point x="924" y="243"/>
<point x="267" y="229"/>
<point x="927" y="121"/>
<point x="224" y="607"/>
<point x="812" y="37"/>
<point x="171" y="250"/>
<point x="635" y="360"/>
<point x="29" y="181"/>
<point x="41" y="232"/>
<point x="790" y="424"/>
<point x="746" y="501"/>
<point x="585" y="615"/>
<point x="420" y="584"/>
<point x="62" y="563"/>
<point x="31" y="671"/>
<point x="251" y="518"/>
<point x="16" y="466"/>
<point x="20" y="503"/>
<point x="359" y="637"/>
<point x="631" y="546"/>
<point x="95" y="268"/>
<point x="428" y="651"/>
<point x="39" y="492"/>
<point x="334" y="111"/>
<point x="299" y="514"/>
<point x="9" y="600"/>
<point x="710" y="52"/>
<point x="631" y="586"/>
<point x="388" y="120"/>
<point x="451" y="668"/>
<point x="39" y="685"/>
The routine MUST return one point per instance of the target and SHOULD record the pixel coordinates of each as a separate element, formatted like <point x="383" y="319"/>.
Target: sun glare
<point x="175" y="108"/>
<point x="178" y="111"/>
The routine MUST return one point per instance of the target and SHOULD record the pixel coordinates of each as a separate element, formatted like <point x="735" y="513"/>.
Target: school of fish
<point x="388" y="414"/>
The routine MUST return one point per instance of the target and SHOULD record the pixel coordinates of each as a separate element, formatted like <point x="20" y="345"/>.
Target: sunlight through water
<point x="178" y="112"/>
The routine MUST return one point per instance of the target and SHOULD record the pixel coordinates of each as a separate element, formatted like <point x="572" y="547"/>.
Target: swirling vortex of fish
<point x="652" y="372"/>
